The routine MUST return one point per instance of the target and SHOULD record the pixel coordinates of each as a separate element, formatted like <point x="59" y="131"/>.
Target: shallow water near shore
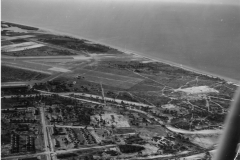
<point x="199" y="36"/>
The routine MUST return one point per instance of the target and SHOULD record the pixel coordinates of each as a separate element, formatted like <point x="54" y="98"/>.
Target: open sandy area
<point x="57" y="69"/>
<point x="210" y="131"/>
<point x="206" y="141"/>
<point x="119" y="120"/>
<point x="197" y="90"/>
<point x="169" y="106"/>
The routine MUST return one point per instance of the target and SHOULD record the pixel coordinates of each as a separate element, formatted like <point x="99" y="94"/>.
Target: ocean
<point x="204" y="36"/>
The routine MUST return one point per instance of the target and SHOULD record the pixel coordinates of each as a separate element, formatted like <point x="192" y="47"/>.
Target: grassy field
<point x="10" y="74"/>
<point x="77" y="44"/>
<point x="109" y="79"/>
<point x="149" y="83"/>
<point x="41" y="51"/>
<point x="4" y="43"/>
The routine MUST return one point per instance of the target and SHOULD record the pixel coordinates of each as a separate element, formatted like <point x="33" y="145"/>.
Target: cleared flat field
<point x="27" y="66"/>
<point x="64" y="63"/>
<point x="58" y="69"/>
<point x="104" y="67"/>
<point x="20" y="46"/>
<point x="110" y="79"/>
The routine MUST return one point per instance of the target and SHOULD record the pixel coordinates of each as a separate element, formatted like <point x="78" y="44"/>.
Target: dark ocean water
<point x="202" y="36"/>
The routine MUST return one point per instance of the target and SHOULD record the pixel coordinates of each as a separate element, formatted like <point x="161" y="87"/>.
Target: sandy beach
<point x="236" y="82"/>
<point x="151" y="58"/>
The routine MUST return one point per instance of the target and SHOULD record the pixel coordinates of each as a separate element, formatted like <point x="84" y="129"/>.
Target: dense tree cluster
<point x="130" y="148"/>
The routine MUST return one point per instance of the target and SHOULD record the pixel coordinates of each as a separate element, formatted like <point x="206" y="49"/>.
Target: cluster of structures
<point x="21" y="129"/>
<point x="64" y="138"/>
<point x="29" y="146"/>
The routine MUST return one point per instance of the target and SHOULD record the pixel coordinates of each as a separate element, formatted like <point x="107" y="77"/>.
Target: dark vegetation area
<point x="10" y="74"/>
<point x="4" y="43"/>
<point x="66" y="155"/>
<point x="130" y="148"/>
<point x="123" y="130"/>
<point x="19" y="90"/>
<point x="78" y="114"/>
<point x="40" y="51"/>
<point x="77" y="44"/>
<point x="18" y="101"/>
<point x="16" y="41"/>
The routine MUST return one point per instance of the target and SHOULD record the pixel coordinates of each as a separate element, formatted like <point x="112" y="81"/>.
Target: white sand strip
<point x="209" y="131"/>
<point x="24" y="48"/>
<point x="197" y="90"/>
<point x="18" y="37"/>
<point x="18" y="45"/>
<point x="82" y="57"/>
<point x="57" y="69"/>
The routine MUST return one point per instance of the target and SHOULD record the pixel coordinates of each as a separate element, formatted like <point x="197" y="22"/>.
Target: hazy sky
<point x="6" y="3"/>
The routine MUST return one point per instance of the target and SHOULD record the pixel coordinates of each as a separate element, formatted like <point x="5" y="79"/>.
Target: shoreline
<point x="138" y="54"/>
<point x="155" y="59"/>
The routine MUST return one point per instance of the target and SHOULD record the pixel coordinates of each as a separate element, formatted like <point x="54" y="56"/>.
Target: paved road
<point x="119" y="101"/>
<point x="206" y="132"/>
<point x="88" y="127"/>
<point x="44" y="129"/>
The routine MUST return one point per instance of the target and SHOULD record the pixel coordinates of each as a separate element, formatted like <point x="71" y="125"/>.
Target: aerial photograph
<point x="119" y="79"/>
